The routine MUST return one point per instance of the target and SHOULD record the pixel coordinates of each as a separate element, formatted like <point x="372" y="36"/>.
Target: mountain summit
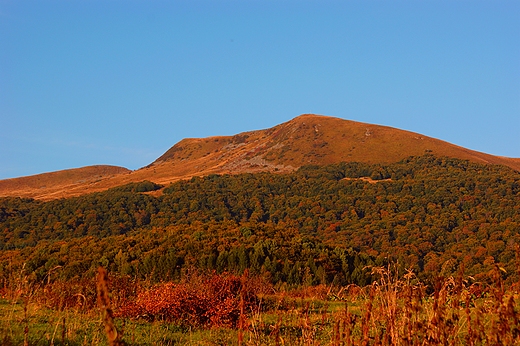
<point x="313" y="139"/>
<point x="306" y="139"/>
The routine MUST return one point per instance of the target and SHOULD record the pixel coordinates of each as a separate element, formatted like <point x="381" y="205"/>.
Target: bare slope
<point x="307" y="139"/>
<point x="311" y="139"/>
<point x="60" y="183"/>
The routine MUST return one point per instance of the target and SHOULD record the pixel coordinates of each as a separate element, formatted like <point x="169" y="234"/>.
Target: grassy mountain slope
<point x="59" y="184"/>
<point x="312" y="139"/>
<point x="307" y="139"/>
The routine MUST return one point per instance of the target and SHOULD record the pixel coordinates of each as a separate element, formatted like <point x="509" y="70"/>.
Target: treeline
<point x="278" y="255"/>
<point x="317" y="225"/>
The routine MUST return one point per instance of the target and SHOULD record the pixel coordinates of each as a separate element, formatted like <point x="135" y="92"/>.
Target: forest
<point x="319" y="225"/>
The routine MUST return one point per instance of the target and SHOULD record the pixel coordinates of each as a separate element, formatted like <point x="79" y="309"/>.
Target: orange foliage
<point x="214" y="300"/>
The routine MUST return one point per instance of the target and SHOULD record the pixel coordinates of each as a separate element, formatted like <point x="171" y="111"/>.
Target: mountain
<point x="311" y="139"/>
<point x="306" y="139"/>
<point x="61" y="183"/>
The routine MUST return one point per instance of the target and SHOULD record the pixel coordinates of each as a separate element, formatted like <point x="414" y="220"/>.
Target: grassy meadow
<point x="227" y="309"/>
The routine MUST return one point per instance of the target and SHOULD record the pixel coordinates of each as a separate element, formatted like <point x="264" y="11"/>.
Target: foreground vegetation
<point x="225" y="309"/>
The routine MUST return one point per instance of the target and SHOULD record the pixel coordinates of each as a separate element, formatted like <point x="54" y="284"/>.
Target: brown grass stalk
<point x="104" y="304"/>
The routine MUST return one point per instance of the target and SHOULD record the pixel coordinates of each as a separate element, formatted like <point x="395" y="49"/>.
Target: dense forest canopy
<point x="321" y="224"/>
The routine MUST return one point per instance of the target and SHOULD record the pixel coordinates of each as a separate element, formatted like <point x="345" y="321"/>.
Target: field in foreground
<point x="227" y="309"/>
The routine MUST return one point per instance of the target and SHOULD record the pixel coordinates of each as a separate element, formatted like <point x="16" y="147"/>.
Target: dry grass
<point x="60" y="184"/>
<point x="394" y="310"/>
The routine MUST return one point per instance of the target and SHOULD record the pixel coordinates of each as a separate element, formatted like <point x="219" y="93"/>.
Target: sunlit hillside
<point x="306" y="139"/>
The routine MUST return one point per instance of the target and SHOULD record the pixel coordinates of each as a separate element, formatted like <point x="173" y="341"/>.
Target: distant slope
<point x="306" y="139"/>
<point x="58" y="184"/>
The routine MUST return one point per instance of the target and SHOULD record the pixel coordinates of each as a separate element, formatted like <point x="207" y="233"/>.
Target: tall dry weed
<point x="114" y="338"/>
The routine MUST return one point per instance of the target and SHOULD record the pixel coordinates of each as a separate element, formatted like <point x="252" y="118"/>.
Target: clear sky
<point x="119" y="82"/>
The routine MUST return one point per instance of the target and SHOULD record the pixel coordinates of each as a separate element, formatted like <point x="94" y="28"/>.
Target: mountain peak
<point x="306" y="139"/>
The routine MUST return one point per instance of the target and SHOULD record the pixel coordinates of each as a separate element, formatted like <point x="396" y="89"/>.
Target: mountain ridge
<point x="306" y="139"/>
<point x="52" y="183"/>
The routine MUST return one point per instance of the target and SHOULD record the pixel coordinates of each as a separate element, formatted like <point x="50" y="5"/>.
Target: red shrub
<point x="214" y="300"/>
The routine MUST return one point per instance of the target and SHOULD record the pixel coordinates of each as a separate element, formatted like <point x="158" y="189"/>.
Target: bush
<point x="202" y="301"/>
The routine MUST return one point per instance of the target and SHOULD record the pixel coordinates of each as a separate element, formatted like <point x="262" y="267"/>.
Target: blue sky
<point x="120" y="82"/>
